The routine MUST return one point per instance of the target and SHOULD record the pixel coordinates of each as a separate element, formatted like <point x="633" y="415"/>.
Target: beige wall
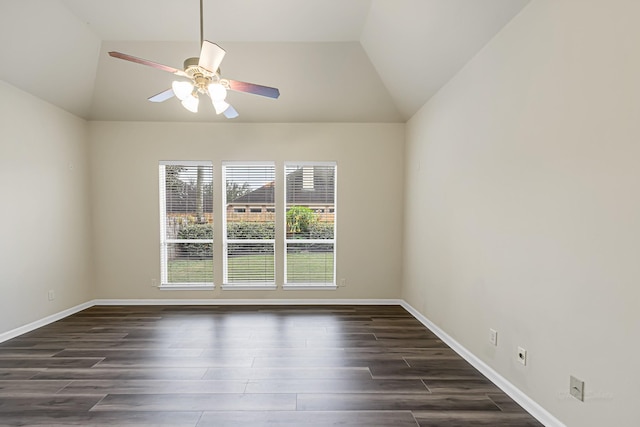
<point x="522" y="208"/>
<point x="124" y="175"/>
<point x="45" y="212"/>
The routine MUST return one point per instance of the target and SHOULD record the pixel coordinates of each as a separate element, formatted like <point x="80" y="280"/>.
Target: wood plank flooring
<point x="223" y="366"/>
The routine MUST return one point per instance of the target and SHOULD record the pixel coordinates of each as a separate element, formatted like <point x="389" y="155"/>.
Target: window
<point x="249" y="239"/>
<point x="186" y="224"/>
<point x="310" y="224"/>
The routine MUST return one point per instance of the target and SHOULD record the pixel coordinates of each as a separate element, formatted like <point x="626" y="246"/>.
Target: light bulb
<point x="220" y="106"/>
<point x="217" y="92"/>
<point x="191" y="103"/>
<point x="182" y="89"/>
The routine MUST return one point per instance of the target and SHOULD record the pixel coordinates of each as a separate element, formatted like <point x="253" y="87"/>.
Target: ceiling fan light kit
<point x="181" y="89"/>
<point x="220" y="106"/>
<point x="191" y="103"/>
<point x="205" y="79"/>
<point x="217" y="91"/>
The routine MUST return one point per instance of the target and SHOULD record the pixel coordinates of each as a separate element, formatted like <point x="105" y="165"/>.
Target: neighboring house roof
<point x="322" y="192"/>
<point x="260" y="195"/>
<point x="186" y="203"/>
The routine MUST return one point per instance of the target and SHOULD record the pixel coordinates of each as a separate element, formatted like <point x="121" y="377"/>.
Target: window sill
<point x="187" y="287"/>
<point x="309" y="287"/>
<point x="248" y="287"/>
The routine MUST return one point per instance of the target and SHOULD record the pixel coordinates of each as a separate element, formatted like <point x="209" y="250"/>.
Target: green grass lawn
<point x="196" y="271"/>
<point x="312" y="267"/>
<point x="249" y="268"/>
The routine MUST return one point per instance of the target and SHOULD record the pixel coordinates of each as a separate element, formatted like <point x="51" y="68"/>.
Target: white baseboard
<point x="44" y="321"/>
<point x="246" y="302"/>
<point x="512" y="391"/>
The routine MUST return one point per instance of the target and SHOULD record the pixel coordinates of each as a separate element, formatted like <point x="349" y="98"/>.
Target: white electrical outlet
<point x="343" y="283"/>
<point x="522" y="355"/>
<point x="51" y="295"/>
<point x="493" y="336"/>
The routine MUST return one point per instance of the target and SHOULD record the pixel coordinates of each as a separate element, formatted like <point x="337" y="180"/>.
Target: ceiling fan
<point x="204" y="78"/>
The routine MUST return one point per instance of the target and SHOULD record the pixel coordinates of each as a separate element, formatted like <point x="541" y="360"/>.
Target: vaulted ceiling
<point x="333" y="60"/>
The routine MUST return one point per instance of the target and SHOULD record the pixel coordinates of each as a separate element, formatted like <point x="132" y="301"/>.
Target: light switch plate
<point x="493" y="336"/>
<point x="576" y="388"/>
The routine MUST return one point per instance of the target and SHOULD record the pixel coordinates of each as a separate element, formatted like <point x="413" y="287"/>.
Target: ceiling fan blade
<point x="162" y="96"/>
<point x="230" y="113"/>
<point x="137" y="60"/>
<point x="253" y="88"/>
<point x="211" y="56"/>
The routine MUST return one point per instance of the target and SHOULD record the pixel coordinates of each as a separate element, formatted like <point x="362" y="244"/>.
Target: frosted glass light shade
<point x="220" y="106"/>
<point x="191" y="103"/>
<point x="217" y="92"/>
<point x="182" y="89"/>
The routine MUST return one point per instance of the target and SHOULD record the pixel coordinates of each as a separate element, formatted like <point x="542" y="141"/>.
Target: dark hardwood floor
<point x="244" y="366"/>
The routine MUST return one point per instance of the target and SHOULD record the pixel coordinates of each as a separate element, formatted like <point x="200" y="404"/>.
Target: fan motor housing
<point x="191" y="63"/>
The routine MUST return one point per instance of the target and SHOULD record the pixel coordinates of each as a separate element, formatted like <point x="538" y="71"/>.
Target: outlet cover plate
<point x="576" y="388"/>
<point x="522" y="355"/>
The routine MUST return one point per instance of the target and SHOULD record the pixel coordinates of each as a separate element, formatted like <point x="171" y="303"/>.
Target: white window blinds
<point x="310" y="195"/>
<point x="186" y="223"/>
<point x="249" y="226"/>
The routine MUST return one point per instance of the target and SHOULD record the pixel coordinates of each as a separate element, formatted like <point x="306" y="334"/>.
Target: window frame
<point x="287" y="241"/>
<point x="226" y="285"/>
<point x="164" y="241"/>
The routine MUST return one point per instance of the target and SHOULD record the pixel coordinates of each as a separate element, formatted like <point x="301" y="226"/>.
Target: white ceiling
<point x="333" y="60"/>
